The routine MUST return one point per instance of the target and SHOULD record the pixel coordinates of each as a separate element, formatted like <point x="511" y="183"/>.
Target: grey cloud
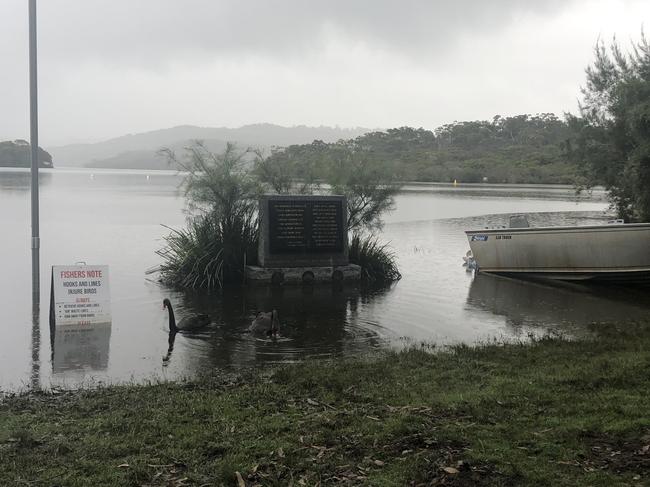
<point x="108" y="67"/>
<point x="147" y="33"/>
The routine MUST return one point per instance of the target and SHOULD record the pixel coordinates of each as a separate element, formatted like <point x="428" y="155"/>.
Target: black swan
<point x="269" y="323"/>
<point x="187" y="323"/>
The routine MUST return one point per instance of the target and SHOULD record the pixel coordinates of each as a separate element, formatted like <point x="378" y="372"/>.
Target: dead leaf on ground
<point x="240" y="480"/>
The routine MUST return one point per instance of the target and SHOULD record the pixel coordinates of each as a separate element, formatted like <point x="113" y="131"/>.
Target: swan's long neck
<point x="172" y="320"/>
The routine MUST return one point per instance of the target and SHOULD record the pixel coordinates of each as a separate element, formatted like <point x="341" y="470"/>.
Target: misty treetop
<point x="18" y="154"/>
<point x="345" y="167"/>
<point x="611" y="136"/>
<point x="518" y="149"/>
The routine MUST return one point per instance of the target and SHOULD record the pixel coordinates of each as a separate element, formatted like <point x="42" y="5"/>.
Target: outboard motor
<point x="469" y="262"/>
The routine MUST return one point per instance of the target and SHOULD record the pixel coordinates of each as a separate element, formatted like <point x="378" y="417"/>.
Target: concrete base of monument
<point x="302" y="275"/>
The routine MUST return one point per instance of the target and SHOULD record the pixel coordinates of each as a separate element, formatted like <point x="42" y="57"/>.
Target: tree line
<point x="18" y="154"/>
<point x="518" y="149"/>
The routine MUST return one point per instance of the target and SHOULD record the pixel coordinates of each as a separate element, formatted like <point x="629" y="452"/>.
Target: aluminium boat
<point x="617" y="251"/>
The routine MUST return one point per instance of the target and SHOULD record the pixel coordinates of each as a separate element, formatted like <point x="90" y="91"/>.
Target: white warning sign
<point x="80" y="295"/>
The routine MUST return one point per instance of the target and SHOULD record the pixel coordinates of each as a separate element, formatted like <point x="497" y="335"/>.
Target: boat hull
<point x="605" y="252"/>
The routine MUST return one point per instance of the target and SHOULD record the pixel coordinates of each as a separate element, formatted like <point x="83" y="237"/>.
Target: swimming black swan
<point x="269" y="323"/>
<point x="187" y="323"/>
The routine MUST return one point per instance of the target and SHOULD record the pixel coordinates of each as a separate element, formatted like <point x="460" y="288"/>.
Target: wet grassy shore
<point x="548" y="412"/>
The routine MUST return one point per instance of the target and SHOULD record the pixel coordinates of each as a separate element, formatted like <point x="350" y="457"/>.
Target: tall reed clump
<point x="378" y="263"/>
<point x="222" y="227"/>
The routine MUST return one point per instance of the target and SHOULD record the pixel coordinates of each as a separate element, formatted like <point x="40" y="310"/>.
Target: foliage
<point x="222" y="223"/>
<point x="368" y="184"/>
<point x="519" y="149"/>
<point x="201" y="256"/>
<point x="297" y="172"/>
<point x="611" y="137"/>
<point x="192" y="256"/>
<point x="495" y="415"/>
<point x="18" y="154"/>
<point x="378" y="263"/>
<point x="345" y="167"/>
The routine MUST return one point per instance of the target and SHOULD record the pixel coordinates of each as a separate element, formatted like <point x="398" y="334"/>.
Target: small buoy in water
<point x="147" y="177"/>
<point x="455" y="183"/>
<point x="92" y="176"/>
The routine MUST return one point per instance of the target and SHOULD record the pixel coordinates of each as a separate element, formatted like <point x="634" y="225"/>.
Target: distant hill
<point x="138" y="150"/>
<point x="18" y="154"/>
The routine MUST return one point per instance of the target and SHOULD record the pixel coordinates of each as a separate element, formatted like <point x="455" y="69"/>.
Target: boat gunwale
<point x="564" y="270"/>
<point x="565" y="229"/>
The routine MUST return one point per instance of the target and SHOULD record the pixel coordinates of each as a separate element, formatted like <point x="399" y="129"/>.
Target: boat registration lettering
<point x="479" y="238"/>
<point x="503" y="237"/>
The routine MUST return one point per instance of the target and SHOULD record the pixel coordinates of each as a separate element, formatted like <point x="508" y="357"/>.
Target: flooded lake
<point x="115" y="219"/>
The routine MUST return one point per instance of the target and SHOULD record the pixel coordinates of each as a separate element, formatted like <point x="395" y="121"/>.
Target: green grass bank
<point x="548" y="412"/>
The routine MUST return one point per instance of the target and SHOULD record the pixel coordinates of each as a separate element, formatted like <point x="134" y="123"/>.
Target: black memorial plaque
<point x="304" y="226"/>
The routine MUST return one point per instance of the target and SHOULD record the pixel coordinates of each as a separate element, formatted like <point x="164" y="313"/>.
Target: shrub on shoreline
<point x="378" y="263"/>
<point x="222" y="226"/>
<point x="200" y="256"/>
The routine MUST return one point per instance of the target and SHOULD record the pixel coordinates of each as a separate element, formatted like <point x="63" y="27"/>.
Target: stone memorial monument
<point x="303" y="239"/>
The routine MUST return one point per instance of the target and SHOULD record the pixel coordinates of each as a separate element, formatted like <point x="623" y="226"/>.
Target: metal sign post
<point x="33" y="140"/>
<point x="33" y="121"/>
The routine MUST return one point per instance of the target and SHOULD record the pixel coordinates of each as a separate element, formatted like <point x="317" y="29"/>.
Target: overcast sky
<point x="111" y="67"/>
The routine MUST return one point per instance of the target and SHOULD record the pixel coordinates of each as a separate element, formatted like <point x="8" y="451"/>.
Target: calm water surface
<point x="114" y="218"/>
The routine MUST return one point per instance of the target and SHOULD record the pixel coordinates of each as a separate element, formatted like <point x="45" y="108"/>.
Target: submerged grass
<point x="550" y="412"/>
<point x="192" y="257"/>
<point x="205" y="256"/>
<point x="378" y="263"/>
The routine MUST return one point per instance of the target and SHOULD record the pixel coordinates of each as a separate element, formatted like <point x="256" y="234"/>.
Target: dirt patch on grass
<point x="620" y="455"/>
<point x="421" y="460"/>
<point x="472" y="475"/>
<point x="444" y="465"/>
